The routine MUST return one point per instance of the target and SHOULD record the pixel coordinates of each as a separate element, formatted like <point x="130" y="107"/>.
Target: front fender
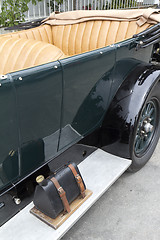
<point x="120" y="119"/>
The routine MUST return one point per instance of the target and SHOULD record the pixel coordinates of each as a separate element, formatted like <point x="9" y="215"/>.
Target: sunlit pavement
<point x="130" y="210"/>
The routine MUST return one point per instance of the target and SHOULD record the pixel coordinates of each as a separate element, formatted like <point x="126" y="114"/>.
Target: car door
<point x="8" y="131"/>
<point x="39" y="92"/>
<point x="87" y="80"/>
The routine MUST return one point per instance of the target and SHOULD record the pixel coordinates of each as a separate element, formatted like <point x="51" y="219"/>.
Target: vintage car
<point x="80" y="81"/>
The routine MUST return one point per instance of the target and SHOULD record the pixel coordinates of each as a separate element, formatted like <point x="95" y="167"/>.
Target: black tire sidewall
<point x="139" y="162"/>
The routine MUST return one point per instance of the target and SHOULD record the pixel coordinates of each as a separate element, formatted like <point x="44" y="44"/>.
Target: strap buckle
<point x="61" y="191"/>
<point x="62" y="195"/>
<point x="78" y="178"/>
<point x="80" y="184"/>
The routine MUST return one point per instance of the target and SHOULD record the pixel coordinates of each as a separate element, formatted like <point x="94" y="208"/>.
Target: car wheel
<point x="147" y="131"/>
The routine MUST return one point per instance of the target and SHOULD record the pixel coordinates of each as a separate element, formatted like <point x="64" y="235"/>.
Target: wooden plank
<point x="61" y="218"/>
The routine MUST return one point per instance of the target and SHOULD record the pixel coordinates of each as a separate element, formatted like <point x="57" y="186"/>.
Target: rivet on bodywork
<point x="101" y="52"/>
<point x="55" y="67"/>
<point x="17" y="200"/>
<point x="3" y="77"/>
<point x="20" y="78"/>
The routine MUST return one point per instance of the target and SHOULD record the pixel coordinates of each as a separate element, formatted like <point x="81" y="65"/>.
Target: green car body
<point x="59" y="103"/>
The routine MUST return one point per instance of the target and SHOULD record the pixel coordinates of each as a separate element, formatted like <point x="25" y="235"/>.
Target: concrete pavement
<point x="129" y="210"/>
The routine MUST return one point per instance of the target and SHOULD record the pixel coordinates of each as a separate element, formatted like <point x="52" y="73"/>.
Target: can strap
<point x="62" y="194"/>
<point x="78" y="180"/>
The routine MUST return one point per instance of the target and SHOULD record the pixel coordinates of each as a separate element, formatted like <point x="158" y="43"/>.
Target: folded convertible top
<point x="142" y="16"/>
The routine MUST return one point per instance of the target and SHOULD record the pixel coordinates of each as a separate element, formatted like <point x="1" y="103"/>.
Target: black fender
<point x="119" y="122"/>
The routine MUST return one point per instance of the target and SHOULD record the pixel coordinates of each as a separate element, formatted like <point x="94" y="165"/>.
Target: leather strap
<point x="62" y="195"/>
<point x="78" y="180"/>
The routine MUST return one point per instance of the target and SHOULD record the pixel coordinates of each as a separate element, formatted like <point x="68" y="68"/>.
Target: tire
<point x="146" y="131"/>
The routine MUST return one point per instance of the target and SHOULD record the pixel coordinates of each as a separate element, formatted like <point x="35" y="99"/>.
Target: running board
<point x="99" y="170"/>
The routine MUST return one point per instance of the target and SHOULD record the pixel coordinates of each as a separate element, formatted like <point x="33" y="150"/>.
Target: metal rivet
<point x="141" y="42"/>
<point x="55" y="67"/>
<point x="101" y="52"/>
<point x="17" y="200"/>
<point x="3" y="77"/>
<point x="20" y="78"/>
<point x="0" y="84"/>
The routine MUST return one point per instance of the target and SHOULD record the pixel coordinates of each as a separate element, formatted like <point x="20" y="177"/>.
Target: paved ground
<point x="130" y="210"/>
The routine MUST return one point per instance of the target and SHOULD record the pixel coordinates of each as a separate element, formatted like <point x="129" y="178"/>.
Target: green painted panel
<point x="87" y="79"/>
<point x="127" y="58"/>
<point x="8" y="133"/>
<point x="39" y="95"/>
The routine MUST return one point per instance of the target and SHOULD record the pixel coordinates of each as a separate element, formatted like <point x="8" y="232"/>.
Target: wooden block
<point x="61" y="218"/>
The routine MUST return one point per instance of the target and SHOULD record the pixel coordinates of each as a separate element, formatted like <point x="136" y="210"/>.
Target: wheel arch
<point x="118" y="124"/>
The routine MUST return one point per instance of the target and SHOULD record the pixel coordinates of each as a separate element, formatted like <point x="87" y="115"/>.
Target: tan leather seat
<point x="87" y="36"/>
<point x="83" y="37"/>
<point x="47" y="43"/>
<point x="42" y="33"/>
<point x="17" y="54"/>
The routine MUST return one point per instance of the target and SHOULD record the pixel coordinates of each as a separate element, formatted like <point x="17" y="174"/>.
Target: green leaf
<point x="13" y="11"/>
